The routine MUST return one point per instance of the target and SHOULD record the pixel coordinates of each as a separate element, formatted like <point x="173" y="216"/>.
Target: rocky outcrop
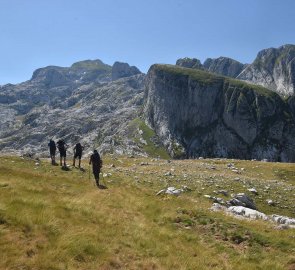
<point x="273" y="68"/>
<point x="189" y="63"/>
<point x="197" y="113"/>
<point x="224" y="66"/>
<point x="75" y="103"/>
<point x="80" y="72"/>
<point x="122" y="70"/>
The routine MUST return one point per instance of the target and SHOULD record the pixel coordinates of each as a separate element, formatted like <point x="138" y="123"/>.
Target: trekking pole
<point x="89" y="175"/>
<point x="89" y="172"/>
<point x="102" y="178"/>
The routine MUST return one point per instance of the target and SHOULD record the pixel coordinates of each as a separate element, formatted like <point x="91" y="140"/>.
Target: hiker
<point x="52" y="150"/>
<point x="96" y="162"/>
<point x="62" y="148"/>
<point x="78" y="149"/>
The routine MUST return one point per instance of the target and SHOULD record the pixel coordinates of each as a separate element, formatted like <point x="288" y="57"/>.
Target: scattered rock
<point x="247" y="212"/>
<point x="241" y="199"/>
<point x="283" y="220"/>
<point x="143" y="141"/>
<point x="186" y="188"/>
<point x="174" y="191"/>
<point x="223" y="192"/>
<point x="144" y="163"/>
<point x="253" y="190"/>
<point x="270" y="202"/>
<point x="218" y="207"/>
<point x="236" y="171"/>
<point x="282" y="227"/>
<point x="215" y="199"/>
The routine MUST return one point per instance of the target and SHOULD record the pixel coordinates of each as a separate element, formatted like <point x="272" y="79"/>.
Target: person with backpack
<point x="78" y="149"/>
<point x="96" y="162"/>
<point x="62" y="148"/>
<point x="52" y="151"/>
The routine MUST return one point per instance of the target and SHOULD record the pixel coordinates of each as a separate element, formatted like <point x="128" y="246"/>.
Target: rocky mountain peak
<point x="90" y="65"/>
<point x="51" y="76"/>
<point x="121" y="70"/>
<point x="189" y="63"/>
<point x="273" y="68"/>
<point x="224" y="66"/>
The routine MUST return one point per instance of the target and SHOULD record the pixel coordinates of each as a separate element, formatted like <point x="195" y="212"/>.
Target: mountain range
<point x="221" y="108"/>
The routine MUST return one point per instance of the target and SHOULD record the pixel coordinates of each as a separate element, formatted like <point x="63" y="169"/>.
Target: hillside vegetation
<point x="55" y="219"/>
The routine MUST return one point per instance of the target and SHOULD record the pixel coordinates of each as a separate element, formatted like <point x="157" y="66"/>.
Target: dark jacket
<point x="96" y="162"/>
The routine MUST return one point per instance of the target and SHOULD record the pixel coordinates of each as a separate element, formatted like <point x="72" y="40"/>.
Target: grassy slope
<point x="147" y="134"/>
<point x="52" y="219"/>
<point x="208" y="78"/>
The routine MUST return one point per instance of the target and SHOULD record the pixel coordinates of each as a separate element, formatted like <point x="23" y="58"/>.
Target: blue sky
<point x="38" y="33"/>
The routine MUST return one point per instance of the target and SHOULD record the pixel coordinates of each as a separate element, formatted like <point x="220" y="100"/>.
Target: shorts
<point x="52" y="152"/>
<point x="63" y="152"/>
<point x="78" y="155"/>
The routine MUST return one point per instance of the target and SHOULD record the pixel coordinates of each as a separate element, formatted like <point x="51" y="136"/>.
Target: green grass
<point x="54" y="219"/>
<point x="148" y="134"/>
<point x="91" y="65"/>
<point x="207" y="78"/>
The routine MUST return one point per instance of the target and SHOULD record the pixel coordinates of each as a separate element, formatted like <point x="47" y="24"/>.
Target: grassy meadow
<point x="55" y="219"/>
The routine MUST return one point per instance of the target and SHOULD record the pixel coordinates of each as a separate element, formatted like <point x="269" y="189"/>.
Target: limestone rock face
<point x="224" y="66"/>
<point x="197" y="113"/>
<point x="189" y="63"/>
<point x="121" y="70"/>
<point x="273" y="68"/>
<point x="77" y="103"/>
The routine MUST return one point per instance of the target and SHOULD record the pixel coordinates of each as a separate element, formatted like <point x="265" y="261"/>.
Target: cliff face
<point x="224" y="66"/>
<point x="273" y="68"/>
<point x="196" y="113"/>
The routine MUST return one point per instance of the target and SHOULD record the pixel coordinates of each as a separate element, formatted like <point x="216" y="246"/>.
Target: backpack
<point x="78" y="148"/>
<point x="96" y="160"/>
<point x="52" y="144"/>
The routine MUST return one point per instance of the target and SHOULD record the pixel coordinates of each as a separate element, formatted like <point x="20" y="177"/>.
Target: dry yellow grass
<point x="53" y="219"/>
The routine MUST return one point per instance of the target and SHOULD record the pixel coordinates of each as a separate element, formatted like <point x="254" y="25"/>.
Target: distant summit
<point x="224" y="66"/>
<point x="189" y="63"/>
<point x="79" y="72"/>
<point x="122" y="70"/>
<point x="273" y="68"/>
